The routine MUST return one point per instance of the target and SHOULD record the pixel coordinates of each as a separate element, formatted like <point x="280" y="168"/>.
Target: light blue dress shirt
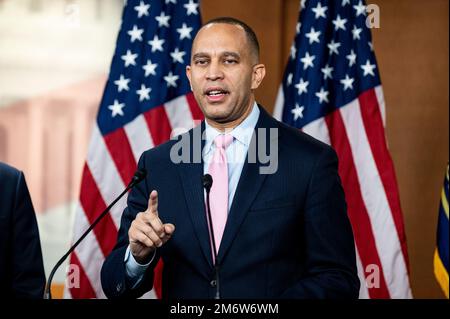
<point x="236" y="154"/>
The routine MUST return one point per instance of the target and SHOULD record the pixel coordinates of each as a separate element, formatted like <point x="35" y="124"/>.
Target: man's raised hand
<point x="147" y="231"/>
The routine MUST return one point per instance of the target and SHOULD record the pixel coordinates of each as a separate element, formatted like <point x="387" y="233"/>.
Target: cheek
<point x="195" y="79"/>
<point x="244" y="84"/>
<point x="197" y="88"/>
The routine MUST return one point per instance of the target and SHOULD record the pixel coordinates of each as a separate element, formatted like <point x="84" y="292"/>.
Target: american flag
<point x="331" y="90"/>
<point x="442" y="249"/>
<point x="147" y="97"/>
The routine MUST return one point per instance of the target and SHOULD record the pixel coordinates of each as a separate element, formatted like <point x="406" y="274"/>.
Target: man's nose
<point x="214" y="72"/>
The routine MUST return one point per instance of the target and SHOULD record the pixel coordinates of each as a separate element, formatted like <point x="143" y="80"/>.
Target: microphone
<point x="207" y="183"/>
<point x="138" y="176"/>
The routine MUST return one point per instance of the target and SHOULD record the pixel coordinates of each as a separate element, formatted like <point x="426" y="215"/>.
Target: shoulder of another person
<point x="10" y="181"/>
<point x="9" y="174"/>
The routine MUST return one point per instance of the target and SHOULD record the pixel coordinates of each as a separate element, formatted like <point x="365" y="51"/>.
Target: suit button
<point x="213" y="283"/>
<point x="119" y="287"/>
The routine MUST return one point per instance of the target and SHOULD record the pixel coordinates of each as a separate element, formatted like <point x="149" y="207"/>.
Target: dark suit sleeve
<point x="329" y="245"/>
<point x="113" y="273"/>
<point x="27" y="267"/>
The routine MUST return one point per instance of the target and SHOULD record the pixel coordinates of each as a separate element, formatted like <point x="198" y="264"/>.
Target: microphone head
<point x="207" y="181"/>
<point x="138" y="176"/>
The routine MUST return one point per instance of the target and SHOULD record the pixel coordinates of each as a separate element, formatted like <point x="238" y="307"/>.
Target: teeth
<point x="215" y="92"/>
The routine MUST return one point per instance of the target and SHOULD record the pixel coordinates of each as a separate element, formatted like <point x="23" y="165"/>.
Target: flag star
<point x="313" y="36"/>
<point x="177" y="55"/>
<point x="144" y="93"/>
<point x="122" y="83"/>
<point x="339" y="23"/>
<point x="368" y="68"/>
<point x="163" y="20"/>
<point x="333" y="46"/>
<point x="136" y="34"/>
<point x="184" y="31"/>
<point x="307" y="60"/>
<point x="322" y="95"/>
<point x="293" y="51"/>
<point x="351" y="58"/>
<point x="150" y="68"/>
<point x="370" y="45"/>
<point x="289" y="79"/>
<point x="327" y="72"/>
<point x="191" y="7"/>
<point x="356" y="31"/>
<point x="298" y="112"/>
<point x="319" y="11"/>
<point x="344" y="2"/>
<point x="171" y="79"/>
<point x="173" y="1"/>
<point x="116" y="108"/>
<point x="156" y="43"/>
<point x="360" y="8"/>
<point x="347" y="82"/>
<point x="302" y="86"/>
<point x="298" y="26"/>
<point x="142" y="9"/>
<point x="129" y="58"/>
<point x="302" y="4"/>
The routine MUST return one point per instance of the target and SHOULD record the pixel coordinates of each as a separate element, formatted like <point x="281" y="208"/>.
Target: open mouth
<point x="216" y="92"/>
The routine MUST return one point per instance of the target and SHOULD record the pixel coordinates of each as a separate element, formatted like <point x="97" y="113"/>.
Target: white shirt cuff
<point x="135" y="271"/>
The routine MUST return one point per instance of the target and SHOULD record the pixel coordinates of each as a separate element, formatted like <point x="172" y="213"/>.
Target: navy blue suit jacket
<point x="21" y="268"/>
<point x="287" y="233"/>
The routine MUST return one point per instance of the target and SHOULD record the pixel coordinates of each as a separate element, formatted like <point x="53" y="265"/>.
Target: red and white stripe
<point x="110" y="164"/>
<point x="356" y="132"/>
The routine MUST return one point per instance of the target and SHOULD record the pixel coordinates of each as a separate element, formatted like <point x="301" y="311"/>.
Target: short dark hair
<point x="249" y="33"/>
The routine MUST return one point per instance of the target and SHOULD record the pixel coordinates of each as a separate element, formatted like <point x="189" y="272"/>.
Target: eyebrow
<point x="232" y="54"/>
<point x="224" y="54"/>
<point x="200" y="55"/>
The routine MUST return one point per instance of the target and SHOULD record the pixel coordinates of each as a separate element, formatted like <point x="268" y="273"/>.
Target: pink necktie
<point x="218" y="169"/>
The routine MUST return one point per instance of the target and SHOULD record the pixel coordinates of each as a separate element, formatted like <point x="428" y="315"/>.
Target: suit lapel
<point x="191" y="174"/>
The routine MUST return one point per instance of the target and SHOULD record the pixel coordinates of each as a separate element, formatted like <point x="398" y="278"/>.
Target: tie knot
<point x="223" y="140"/>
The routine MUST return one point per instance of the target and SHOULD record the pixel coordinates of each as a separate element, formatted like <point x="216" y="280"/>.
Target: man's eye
<point x="200" y="62"/>
<point x="230" y="61"/>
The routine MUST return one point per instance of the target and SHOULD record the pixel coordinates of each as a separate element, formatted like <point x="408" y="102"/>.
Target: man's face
<point x="223" y="73"/>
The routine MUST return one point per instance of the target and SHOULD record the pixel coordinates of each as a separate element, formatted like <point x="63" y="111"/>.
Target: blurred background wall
<point x="55" y="56"/>
<point x="54" y="60"/>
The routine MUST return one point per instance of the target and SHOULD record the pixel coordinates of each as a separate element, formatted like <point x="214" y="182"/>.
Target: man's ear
<point x="188" y="74"/>
<point x="259" y="71"/>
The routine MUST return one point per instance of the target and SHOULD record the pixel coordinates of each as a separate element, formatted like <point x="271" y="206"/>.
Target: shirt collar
<point x="242" y="133"/>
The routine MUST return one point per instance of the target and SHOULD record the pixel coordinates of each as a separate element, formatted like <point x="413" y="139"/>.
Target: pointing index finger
<point x="153" y="202"/>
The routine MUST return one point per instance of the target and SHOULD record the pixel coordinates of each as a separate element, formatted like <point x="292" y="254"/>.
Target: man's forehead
<point x="224" y="53"/>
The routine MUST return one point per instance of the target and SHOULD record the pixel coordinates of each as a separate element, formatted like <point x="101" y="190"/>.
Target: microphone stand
<point x="207" y="183"/>
<point x="138" y="176"/>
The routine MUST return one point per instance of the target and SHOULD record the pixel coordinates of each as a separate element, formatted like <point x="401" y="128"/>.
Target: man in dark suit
<point x="282" y="232"/>
<point x="21" y="268"/>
